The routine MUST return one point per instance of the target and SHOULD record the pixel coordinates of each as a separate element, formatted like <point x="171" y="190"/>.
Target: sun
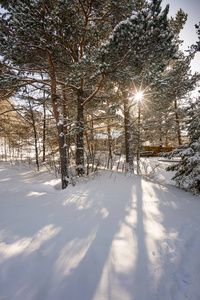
<point x="138" y="96"/>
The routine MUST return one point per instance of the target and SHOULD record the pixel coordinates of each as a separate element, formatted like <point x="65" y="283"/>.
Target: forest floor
<point x="113" y="236"/>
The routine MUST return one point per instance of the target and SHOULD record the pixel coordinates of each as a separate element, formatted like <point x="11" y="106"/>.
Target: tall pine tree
<point x="187" y="174"/>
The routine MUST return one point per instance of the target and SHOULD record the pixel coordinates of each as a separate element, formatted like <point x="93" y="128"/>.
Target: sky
<point x="188" y="33"/>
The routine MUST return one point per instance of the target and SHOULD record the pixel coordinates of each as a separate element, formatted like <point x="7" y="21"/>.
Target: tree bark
<point x="63" y="157"/>
<point x="128" y="138"/>
<point x="44" y="133"/>
<point x="139" y="139"/>
<point x="60" y="127"/>
<point x="79" y="137"/>
<point x="36" y="148"/>
<point x="109" y="142"/>
<point x="35" y="136"/>
<point x="109" y="147"/>
<point x="177" y="123"/>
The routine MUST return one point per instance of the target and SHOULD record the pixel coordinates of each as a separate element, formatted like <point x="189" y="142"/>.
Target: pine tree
<point x="163" y="114"/>
<point x="187" y="174"/>
<point x="169" y="89"/>
<point x="196" y="47"/>
<point x="59" y="39"/>
<point x="143" y="42"/>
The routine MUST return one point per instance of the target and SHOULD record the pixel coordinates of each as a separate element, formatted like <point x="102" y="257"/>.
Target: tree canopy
<point x="87" y="56"/>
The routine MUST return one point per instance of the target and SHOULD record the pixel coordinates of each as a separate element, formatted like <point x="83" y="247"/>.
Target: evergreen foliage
<point x="85" y="56"/>
<point x="187" y="174"/>
<point x="142" y="41"/>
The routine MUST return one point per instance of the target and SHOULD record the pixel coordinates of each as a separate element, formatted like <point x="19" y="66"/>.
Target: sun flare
<point x="139" y="96"/>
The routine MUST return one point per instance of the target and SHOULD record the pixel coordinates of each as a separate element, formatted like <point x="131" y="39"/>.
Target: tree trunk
<point x="177" y="123"/>
<point x="109" y="147"/>
<point x="60" y="128"/>
<point x="92" y="141"/>
<point x="63" y="157"/>
<point x="66" y="126"/>
<point x="139" y="139"/>
<point x="79" y="138"/>
<point x="35" y="136"/>
<point x="44" y="133"/>
<point x="161" y="137"/>
<point x="109" y="142"/>
<point x="128" y="139"/>
<point x="36" y="148"/>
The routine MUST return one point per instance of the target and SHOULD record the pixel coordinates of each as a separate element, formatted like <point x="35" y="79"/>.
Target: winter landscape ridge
<point x="113" y="236"/>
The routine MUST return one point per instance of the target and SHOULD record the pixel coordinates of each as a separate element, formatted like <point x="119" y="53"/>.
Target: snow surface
<point x="111" y="237"/>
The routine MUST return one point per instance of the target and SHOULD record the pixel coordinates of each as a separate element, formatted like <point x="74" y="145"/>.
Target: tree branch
<point x="96" y="91"/>
<point x="106" y="13"/>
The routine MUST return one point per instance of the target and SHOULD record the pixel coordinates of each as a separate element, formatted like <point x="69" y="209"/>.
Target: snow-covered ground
<point x="111" y="237"/>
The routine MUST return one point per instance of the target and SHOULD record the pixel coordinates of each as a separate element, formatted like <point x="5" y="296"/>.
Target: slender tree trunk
<point x="128" y="139"/>
<point x="166" y="141"/>
<point x="109" y="147"/>
<point x="92" y="140"/>
<point x="44" y="133"/>
<point x="161" y="139"/>
<point x="35" y="136"/>
<point x="177" y="123"/>
<point x="66" y="126"/>
<point x="92" y="149"/>
<point x="161" y="135"/>
<point x="5" y="139"/>
<point x="139" y="139"/>
<point x="5" y="147"/>
<point x="64" y="111"/>
<point x="79" y="139"/>
<point x="9" y="144"/>
<point x="89" y="145"/>
<point x="109" y="142"/>
<point x="36" y="147"/>
<point x="88" y="153"/>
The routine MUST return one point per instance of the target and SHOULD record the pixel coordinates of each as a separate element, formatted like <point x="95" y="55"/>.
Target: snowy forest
<point x="84" y="77"/>
<point x="99" y="151"/>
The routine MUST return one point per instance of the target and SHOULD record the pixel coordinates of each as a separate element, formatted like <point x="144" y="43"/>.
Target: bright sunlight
<point x="139" y="96"/>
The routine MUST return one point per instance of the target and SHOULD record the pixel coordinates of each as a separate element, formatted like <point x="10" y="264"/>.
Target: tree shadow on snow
<point x="79" y="244"/>
<point x="100" y="274"/>
<point x="103" y="224"/>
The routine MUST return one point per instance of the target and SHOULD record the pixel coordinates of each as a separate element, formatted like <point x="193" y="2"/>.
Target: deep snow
<point x="111" y="237"/>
